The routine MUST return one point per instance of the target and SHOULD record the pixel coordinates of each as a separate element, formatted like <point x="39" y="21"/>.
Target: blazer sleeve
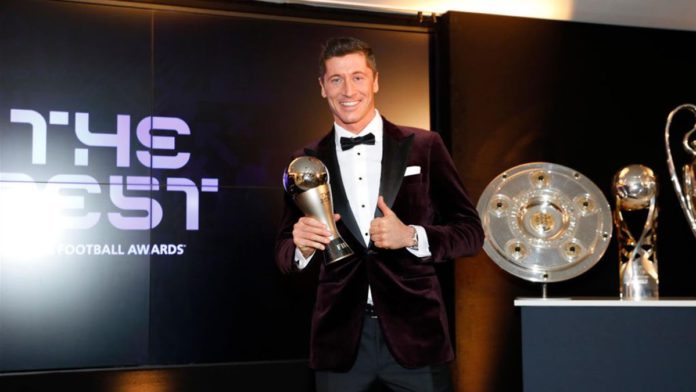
<point x="457" y="230"/>
<point x="285" y="247"/>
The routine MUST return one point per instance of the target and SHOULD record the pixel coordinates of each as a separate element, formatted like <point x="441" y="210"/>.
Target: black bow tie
<point x="349" y="142"/>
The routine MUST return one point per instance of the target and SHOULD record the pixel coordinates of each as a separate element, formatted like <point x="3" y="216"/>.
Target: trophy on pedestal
<point x="684" y="187"/>
<point x="306" y="179"/>
<point x="544" y="222"/>
<point x="635" y="190"/>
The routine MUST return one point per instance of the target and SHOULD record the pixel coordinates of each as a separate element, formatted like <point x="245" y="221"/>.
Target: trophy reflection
<point x="684" y="187"/>
<point x="635" y="190"/>
<point x="307" y="180"/>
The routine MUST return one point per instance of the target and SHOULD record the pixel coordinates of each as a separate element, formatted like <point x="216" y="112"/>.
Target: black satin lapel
<point x="394" y="160"/>
<point x="327" y="153"/>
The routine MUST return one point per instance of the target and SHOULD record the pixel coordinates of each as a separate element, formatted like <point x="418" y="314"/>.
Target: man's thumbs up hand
<point x="389" y="232"/>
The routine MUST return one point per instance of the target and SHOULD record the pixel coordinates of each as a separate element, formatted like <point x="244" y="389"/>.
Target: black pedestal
<point x="608" y="345"/>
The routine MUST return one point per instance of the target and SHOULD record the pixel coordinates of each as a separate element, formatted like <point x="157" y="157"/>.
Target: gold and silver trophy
<point x="684" y="186"/>
<point x="544" y="222"/>
<point x="306" y="179"/>
<point x="635" y="190"/>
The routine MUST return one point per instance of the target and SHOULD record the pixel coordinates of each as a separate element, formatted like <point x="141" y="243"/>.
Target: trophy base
<point x="639" y="291"/>
<point x="337" y="250"/>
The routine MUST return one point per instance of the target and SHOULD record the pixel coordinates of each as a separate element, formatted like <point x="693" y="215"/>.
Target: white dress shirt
<point x="361" y="169"/>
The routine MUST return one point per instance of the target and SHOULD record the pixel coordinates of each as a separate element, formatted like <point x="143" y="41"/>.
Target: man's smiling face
<point x="349" y="86"/>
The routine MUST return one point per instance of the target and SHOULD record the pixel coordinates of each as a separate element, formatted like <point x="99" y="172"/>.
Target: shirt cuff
<point x="423" y="244"/>
<point x="301" y="261"/>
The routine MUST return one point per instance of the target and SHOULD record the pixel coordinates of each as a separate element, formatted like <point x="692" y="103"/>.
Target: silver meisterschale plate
<point x="544" y="222"/>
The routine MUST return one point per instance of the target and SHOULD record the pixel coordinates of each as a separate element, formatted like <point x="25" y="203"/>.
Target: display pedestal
<point x="608" y="345"/>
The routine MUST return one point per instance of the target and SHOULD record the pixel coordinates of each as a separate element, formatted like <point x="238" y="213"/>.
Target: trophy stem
<point x="337" y="250"/>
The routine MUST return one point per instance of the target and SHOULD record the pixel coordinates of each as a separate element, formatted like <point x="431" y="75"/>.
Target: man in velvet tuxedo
<point x="379" y="314"/>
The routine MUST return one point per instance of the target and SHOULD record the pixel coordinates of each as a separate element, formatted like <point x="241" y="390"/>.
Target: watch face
<point x="544" y="222"/>
<point x="414" y="239"/>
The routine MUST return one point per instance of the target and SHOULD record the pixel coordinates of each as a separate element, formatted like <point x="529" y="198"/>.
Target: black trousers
<point x="375" y="364"/>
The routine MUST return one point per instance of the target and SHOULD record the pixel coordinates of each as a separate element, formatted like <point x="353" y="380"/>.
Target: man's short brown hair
<point x="341" y="46"/>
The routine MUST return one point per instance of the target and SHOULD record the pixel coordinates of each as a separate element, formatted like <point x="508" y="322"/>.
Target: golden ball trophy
<point x="635" y="190"/>
<point x="306" y="179"/>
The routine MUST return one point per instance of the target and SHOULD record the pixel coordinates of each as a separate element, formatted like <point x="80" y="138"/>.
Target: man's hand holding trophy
<point x="306" y="179"/>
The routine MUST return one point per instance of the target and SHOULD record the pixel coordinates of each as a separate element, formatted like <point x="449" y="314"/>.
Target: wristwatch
<point x="414" y="239"/>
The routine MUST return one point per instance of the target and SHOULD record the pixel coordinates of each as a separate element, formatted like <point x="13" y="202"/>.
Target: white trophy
<point x="544" y="222"/>
<point x="684" y="186"/>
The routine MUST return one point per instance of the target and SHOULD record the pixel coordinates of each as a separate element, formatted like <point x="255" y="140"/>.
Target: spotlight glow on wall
<point x="544" y="9"/>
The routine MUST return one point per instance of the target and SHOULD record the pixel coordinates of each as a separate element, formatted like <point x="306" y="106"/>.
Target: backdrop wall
<point x="141" y="156"/>
<point x="155" y="140"/>
<point x="591" y="97"/>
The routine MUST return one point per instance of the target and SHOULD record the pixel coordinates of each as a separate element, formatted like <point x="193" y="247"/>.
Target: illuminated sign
<point x="59" y="204"/>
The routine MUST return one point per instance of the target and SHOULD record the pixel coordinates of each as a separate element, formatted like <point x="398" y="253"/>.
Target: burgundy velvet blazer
<point x="405" y="289"/>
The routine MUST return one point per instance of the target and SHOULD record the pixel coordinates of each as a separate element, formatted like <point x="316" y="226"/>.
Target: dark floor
<point x="283" y="376"/>
<point x="286" y="376"/>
